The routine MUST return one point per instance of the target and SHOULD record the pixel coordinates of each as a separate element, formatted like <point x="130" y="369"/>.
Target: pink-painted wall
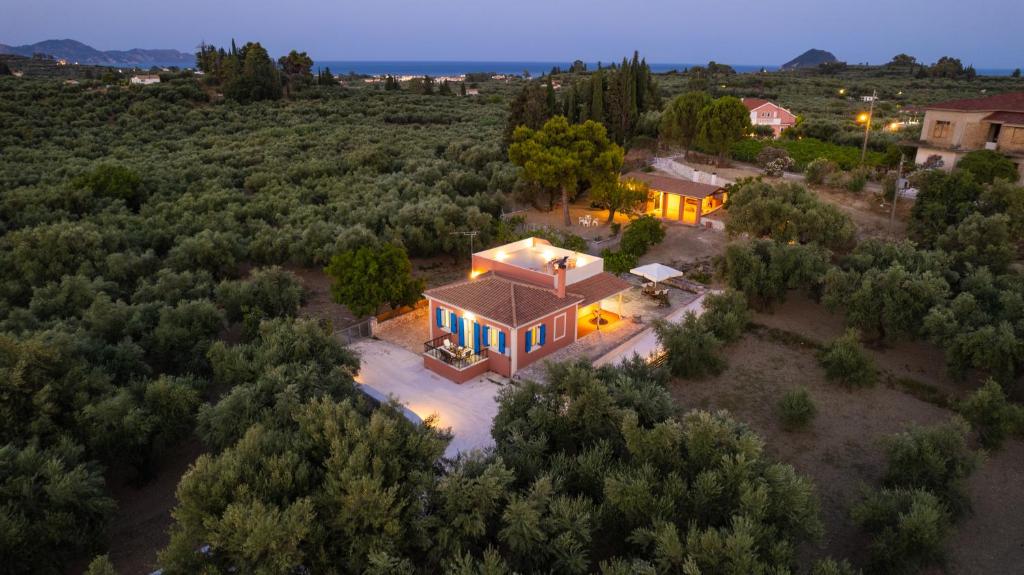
<point x="551" y="345"/>
<point x="540" y="279"/>
<point x="450" y="373"/>
<point x="496" y="362"/>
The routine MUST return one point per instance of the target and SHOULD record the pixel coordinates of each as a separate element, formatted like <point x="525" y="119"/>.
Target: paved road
<point x="645" y="343"/>
<point x="468" y="409"/>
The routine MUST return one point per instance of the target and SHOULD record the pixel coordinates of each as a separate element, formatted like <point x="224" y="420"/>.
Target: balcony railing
<point x="458" y="357"/>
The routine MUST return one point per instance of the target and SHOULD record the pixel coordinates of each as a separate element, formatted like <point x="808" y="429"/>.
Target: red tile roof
<point x="503" y="300"/>
<point x="1016" y="118"/>
<point x="598" y="287"/>
<point x="672" y="185"/>
<point x="753" y="103"/>
<point x="1010" y="102"/>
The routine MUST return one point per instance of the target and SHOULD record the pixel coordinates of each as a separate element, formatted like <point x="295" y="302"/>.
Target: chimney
<point x="696" y="176"/>
<point x="560" y="280"/>
<point x="714" y="178"/>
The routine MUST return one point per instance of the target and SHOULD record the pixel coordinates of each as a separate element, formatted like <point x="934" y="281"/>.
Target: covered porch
<point x="602" y="314"/>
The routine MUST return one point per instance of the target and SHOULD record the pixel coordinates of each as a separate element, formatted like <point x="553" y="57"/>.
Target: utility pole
<point x="471" y="234"/>
<point x="867" y="126"/>
<point x="895" y="196"/>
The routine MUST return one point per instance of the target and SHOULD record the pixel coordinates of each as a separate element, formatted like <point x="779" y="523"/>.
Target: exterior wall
<point x="1007" y="136"/>
<point x="551" y="344"/>
<point x="966" y="129"/>
<point x="662" y="212"/>
<point x="541" y="279"/>
<point x="949" y="159"/>
<point x="450" y="373"/>
<point x="779" y="119"/>
<point x="496" y="362"/>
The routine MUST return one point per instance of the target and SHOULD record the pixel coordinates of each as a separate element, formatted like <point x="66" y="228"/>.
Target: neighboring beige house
<point x="145" y="79"/>
<point x="951" y="129"/>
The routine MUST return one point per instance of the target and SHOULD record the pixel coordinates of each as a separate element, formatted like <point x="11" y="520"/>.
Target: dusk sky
<point x="985" y="33"/>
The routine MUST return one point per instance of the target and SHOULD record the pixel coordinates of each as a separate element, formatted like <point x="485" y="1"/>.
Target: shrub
<point x="765" y="271"/>
<point x="987" y="165"/>
<point x="856" y="179"/>
<point x="726" y="314"/>
<point x="367" y="278"/>
<point x="272" y="292"/>
<point x="846" y="362"/>
<point x="618" y="262"/>
<point x="933" y="458"/>
<point x="830" y="566"/>
<point x="785" y="212"/>
<point x="796" y="409"/>
<point x="991" y="414"/>
<point x="690" y="347"/>
<point x="641" y="234"/>
<point x="908" y="527"/>
<point x="774" y="161"/>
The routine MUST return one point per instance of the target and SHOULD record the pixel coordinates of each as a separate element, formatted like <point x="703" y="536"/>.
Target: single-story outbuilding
<point x="679" y="200"/>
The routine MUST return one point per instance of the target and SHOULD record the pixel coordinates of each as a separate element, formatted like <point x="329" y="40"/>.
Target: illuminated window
<point x="535" y="337"/>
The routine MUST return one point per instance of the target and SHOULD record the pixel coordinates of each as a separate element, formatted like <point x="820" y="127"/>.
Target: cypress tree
<point x="597" y="97"/>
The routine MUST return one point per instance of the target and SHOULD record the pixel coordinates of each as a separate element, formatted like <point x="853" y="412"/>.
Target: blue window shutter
<point x="440" y="315"/>
<point x="501" y="342"/>
<point x="529" y="340"/>
<point x="462" y="332"/>
<point x="542" y="338"/>
<point x="454" y="322"/>
<point x="476" y="338"/>
<point x="485" y="332"/>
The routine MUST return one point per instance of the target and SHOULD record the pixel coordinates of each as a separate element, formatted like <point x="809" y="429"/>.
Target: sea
<point x="460" y="67"/>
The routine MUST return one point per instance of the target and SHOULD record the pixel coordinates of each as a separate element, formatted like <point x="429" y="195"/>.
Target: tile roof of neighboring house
<point x="1006" y="118"/>
<point x="1010" y="102"/>
<point x="672" y="185"/>
<point x="753" y="103"/>
<point x="503" y="300"/>
<point x="598" y="287"/>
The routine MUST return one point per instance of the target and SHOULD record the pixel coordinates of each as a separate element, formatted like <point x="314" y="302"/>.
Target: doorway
<point x="672" y="203"/>
<point x="690" y="212"/>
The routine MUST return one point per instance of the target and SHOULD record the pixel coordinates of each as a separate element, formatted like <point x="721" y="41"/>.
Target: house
<point x="680" y="200"/>
<point x="765" y="113"/>
<point x="951" y="129"/>
<point x="870" y="98"/>
<point x="522" y="302"/>
<point x="472" y="91"/>
<point x="145" y="79"/>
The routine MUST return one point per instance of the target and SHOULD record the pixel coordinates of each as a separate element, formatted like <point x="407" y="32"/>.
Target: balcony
<point x="450" y="353"/>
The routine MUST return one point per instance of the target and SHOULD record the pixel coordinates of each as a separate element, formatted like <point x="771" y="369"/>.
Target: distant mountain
<point x="810" y="59"/>
<point x="74" y="51"/>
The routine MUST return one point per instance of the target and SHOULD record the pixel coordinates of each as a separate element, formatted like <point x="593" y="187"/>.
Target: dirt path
<point x="139" y="528"/>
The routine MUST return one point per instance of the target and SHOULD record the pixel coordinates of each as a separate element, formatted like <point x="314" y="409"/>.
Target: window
<point x="535" y="337"/>
<point x="941" y="129"/>
<point x="446" y="319"/>
<point x="494" y="339"/>
<point x="560" y="323"/>
<point x="1017" y="136"/>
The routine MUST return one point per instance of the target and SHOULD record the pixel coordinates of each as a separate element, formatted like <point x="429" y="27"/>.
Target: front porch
<point x="598" y="316"/>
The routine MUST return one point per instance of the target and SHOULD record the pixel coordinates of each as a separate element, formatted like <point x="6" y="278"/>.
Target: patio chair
<point x="583" y="221"/>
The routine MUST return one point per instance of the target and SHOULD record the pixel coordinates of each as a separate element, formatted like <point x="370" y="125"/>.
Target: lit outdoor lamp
<point x="865" y="118"/>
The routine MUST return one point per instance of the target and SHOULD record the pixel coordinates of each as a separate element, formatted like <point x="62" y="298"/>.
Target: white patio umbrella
<point x="656" y="272"/>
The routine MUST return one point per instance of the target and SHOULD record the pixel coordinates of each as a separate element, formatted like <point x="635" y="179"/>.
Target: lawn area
<point x="842" y="451"/>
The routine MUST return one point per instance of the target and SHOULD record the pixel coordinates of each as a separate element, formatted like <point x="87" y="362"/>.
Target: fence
<point x="350" y="334"/>
<point x="687" y="173"/>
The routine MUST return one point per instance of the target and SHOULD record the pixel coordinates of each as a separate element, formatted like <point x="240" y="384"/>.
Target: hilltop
<point x="75" y="51"/>
<point x="810" y="59"/>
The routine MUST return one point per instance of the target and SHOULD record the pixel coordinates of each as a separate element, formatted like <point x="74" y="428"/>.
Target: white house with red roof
<point x="765" y="113"/>
<point x="952" y="129"/>
<point x="522" y="302"/>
